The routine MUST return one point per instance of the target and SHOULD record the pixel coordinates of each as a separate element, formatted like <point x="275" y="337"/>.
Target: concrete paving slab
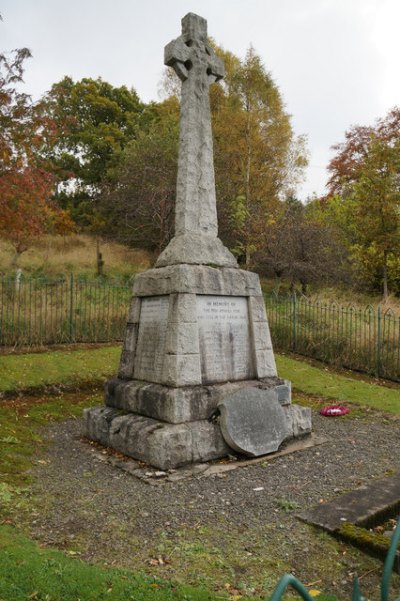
<point x="361" y="507"/>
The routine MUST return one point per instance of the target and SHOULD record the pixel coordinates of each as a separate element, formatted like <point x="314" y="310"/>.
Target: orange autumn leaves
<point x="26" y="183"/>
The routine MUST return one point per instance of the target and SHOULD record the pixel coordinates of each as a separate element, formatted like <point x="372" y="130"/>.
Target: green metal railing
<point x="290" y="580"/>
<point x="363" y="339"/>
<point x="43" y="311"/>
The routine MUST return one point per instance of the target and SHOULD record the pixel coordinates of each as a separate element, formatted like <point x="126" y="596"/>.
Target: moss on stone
<point x="378" y="544"/>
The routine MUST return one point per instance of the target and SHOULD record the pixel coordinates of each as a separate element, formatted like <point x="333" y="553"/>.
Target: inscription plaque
<point x="150" y="349"/>
<point x="224" y="335"/>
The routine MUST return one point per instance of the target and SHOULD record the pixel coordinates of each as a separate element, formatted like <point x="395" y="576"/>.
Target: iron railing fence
<point x="365" y="339"/>
<point x="43" y="311"/>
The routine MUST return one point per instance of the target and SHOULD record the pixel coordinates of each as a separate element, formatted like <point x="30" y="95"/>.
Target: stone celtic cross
<point x="196" y="226"/>
<point x="197" y="336"/>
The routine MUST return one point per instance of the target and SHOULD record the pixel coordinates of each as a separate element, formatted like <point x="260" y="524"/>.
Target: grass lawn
<point x="35" y="370"/>
<point x="21" y="424"/>
<point x="30" y="572"/>
<point x="325" y="383"/>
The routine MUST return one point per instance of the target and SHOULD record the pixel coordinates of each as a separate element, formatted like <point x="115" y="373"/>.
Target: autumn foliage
<point x="365" y="192"/>
<point x="26" y="181"/>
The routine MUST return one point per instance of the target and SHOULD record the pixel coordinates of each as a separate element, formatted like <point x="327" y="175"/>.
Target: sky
<point x="334" y="61"/>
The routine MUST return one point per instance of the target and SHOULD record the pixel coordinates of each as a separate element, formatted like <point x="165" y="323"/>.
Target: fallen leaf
<point x="314" y="592"/>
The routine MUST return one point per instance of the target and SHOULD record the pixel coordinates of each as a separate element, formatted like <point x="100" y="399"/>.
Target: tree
<point x="376" y="195"/>
<point x="138" y="205"/>
<point x="257" y="162"/>
<point x="300" y="247"/>
<point x="258" y="158"/>
<point x="96" y="121"/>
<point x="350" y="155"/>
<point x="365" y="180"/>
<point x="26" y="182"/>
<point x="27" y="210"/>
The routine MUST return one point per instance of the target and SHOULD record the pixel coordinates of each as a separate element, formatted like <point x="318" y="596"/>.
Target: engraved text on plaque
<point x="224" y="335"/>
<point x="150" y="348"/>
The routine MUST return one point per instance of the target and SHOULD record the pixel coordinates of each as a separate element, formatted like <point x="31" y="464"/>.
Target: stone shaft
<point x="196" y="225"/>
<point x="197" y="66"/>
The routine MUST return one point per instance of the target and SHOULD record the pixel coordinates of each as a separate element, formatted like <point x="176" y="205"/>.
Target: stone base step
<point x="157" y="443"/>
<point x="166" y="445"/>
<point x="184" y="404"/>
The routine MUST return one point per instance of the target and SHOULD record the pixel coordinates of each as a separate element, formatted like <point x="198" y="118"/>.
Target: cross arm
<point x="176" y="53"/>
<point x="215" y="65"/>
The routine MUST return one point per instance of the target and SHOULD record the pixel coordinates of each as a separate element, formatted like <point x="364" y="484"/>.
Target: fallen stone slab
<point x="361" y="507"/>
<point x="253" y="422"/>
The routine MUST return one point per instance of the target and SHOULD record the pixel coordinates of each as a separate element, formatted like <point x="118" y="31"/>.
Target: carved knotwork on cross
<point x="192" y="49"/>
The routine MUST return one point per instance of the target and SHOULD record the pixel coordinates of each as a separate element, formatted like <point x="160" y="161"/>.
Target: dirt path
<point x="235" y="531"/>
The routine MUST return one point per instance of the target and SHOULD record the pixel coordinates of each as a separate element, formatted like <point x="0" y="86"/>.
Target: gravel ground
<point x="220" y="528"/>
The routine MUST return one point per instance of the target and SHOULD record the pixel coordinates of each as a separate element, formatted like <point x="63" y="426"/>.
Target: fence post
<point x="71" y="307"/>
<point x="378" y="346"/>
<point x="294" y="320"/>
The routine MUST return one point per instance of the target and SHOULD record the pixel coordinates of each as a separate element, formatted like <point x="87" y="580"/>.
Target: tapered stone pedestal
<point x="195" y="335"/>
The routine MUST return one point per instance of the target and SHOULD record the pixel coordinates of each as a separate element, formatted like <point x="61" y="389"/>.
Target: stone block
<point x="265" y="363"/>
<point x="182" y="308"/>
<point x="261" y="335"/>
<point x="298" y="420"/>
<point x="253" y="422"/>
<point x="257" y="309"/>
<point x="196" y="279"/>
<point x="198" y="249"/>
<point x="134" y="310"/>
<point x="130" y="339"/>
<point x="177" y="405"/>
<point x="284" y="392"/>
<point x="182" y="370"/>
<point x="97" y="422"/>
<point x="182" y="339"/>
<point x="126" y="365"/>
<point x="159" y="444"/>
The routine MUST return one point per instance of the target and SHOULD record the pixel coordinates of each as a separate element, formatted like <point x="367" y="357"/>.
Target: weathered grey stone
<point x="261" y="335"/>
<point x="196" y="224"/>
<point x="97" y="423"/>
<point x="298" y="420"/>
<point x="257" y="308"/>
<point x="134" y="310"/>
<point x="196" y="249"/>
<point x="253" y="422"/>
<point x="265" y="363"/>
<point x="150" y="349"/>
<point x="125" y="370"/>
<point x="130" y="339"/>
<point x="363" y="507"/>
<point x="284" y="392"/>
<point x="162" y="445"/>
<point x="196" y="319"/>
<point x="182" y="308"/>
<point x="197" y="279"/>
<point x="225" y="342"/>
<point x="177" y="405"/>
<point x="182" y="339"/>
<point x="182" y="370"/>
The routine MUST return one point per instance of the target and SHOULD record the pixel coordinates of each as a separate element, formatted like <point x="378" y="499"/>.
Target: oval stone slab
<point x="253" y="422"/>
